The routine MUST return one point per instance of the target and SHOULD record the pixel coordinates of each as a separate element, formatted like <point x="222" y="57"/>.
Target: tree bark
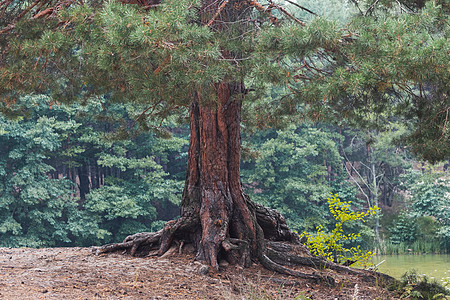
<point x="83" y="174"/>
<point x="213" y="203"/>
<point x="216" y="216"/>
<point x="213" y="194"/>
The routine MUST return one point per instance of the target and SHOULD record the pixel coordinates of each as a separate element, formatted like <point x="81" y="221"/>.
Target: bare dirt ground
<point x="75" y="273"/>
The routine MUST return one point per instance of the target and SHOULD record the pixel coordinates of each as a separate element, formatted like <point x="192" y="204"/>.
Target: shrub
<point x="414" y="286"/>
<point x="331" y="246"/>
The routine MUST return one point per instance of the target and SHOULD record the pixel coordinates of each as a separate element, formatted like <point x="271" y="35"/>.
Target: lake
<point x="433" y="265"/>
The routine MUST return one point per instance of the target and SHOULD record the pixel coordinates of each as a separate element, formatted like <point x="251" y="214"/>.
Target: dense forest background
<point x="92" y="173"/>
<point x="68" y="179"/>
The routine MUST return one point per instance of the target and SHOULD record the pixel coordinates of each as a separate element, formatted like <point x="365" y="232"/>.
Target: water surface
<point x="435" y="266"/>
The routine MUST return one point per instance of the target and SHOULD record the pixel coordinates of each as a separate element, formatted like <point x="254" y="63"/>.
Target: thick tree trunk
<point x="216" y="216"/>
<point x="213" y="189"/>
<point x="213" y="194"/>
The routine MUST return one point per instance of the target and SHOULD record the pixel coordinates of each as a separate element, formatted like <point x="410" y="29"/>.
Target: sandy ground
<point x="75" y="273"/>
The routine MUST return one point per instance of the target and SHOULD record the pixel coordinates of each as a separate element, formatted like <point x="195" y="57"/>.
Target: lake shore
<point x="434" y="266"/>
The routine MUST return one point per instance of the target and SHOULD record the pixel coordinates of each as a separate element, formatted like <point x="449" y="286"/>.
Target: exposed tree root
<point x="281" y="253"/>
<point x="277" y="254"/>
<point x="217" y="217"/>
<point x="142" y="244"/>
<point x="273" y="266"/>
<point x="183" y="224"/>
<point x="145" y="240"/>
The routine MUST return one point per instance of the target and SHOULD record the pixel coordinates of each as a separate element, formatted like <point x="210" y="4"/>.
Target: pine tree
<point x="211" y="55"/>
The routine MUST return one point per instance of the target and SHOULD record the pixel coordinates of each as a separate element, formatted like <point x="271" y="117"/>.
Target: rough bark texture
<point x="214" y="208"/>
<point x="216" y="216"/>
<point x="215" y="213"/>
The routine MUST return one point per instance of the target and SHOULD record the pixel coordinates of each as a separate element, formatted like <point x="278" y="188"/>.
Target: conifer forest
<point x="237" y="126"/>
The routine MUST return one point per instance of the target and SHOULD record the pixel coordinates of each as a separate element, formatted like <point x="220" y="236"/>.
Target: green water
<point x="435" y="266"/>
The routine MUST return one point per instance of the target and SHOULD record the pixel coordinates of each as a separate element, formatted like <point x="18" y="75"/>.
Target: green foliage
<point x="331" y="246"/>
<point x="430" y="197"/>
<point x="414" y="286"/>
<point x="127" y="202"/>
<point x="290" y="170"/>
<point x="35" y="210"/>
<point x="414" y="234"/>
<point x="421" y="227"/>
<point x="404" y="229"/>
<point x="390" y="66"/>
<point x="381" y="66"/>
<point x="429" y="245"/>
<point x="39" y="154"/>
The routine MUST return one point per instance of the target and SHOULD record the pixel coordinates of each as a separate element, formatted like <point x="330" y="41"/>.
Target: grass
<point x="418" y="247"/>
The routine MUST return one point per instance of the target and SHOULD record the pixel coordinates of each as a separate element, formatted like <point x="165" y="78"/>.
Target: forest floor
<point x="75" y="273"/>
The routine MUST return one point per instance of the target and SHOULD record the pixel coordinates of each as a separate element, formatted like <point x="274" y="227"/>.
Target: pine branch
<point x="43" y="13"/>
<point x="163" y="64"/>
<point x="219" y="10"/>
<point x="146" y="4"/>
<point x="23" y="13"/>
<point x="287" y="13"/>
<point x="41" y="6"/>
<point x="37" y="13"/>
<point x="268" y="10"/>
<point x="7" y="28"/>
<point x="301" y="7"/>
<point x="5" y="4"/>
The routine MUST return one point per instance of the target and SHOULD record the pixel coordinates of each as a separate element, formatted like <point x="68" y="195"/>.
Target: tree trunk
<point x="213" y="188"/>
<point x="213" y="194"/>
<point x="216" y="216"/>
<point x="83" y="174"/>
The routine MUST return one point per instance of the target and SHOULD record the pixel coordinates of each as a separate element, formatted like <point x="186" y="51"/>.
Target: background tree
<point x="292" y="170"/>
<point x="41" y="190"/>
<point x="37" y="211"/>
<point x="374" y="163"/>
<point x="429" y="196"/>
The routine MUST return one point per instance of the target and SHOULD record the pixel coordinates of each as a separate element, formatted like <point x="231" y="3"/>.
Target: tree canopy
<point x="388" y="62"/>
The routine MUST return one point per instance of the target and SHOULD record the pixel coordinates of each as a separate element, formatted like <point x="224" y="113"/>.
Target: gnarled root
<point x="288" y="255"/>
<point x="277" y="247"/>
<point x="141" y="244"/>
<point x="185" y="226"/>
<point x="149" y="240"/>
<point x="273" y="266"/>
